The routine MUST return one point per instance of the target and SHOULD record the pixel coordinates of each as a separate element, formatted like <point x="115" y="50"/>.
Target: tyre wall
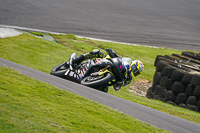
<point x="177" y="80"/>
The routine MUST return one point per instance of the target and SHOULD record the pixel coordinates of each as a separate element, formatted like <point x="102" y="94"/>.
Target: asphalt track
<point x="140" y="112"/>
<point x="161" y="23"/>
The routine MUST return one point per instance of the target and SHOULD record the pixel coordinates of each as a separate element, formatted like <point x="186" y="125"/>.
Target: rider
<point x="133" y="67"/>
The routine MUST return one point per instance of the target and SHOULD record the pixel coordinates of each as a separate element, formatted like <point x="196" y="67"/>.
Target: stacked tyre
<point x="177" y="80"/>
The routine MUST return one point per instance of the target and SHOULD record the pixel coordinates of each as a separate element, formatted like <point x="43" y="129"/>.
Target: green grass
<point x="34" y="52"/>
<point x="28" y="105"/>
<point x="145" y="54"/>
<point x="44" y="55"/>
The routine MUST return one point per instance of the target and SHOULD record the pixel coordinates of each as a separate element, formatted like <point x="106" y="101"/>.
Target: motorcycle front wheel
<point x="97" y="81"/>
<point x="59" y="70"/>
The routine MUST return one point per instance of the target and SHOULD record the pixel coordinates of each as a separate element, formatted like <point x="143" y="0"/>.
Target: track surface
<point x="162" y="23"/>
<point x="143" y="113"/>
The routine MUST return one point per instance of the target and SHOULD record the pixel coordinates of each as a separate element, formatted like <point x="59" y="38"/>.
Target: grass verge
<point x="44" y="55"/>
<point x="28" y="105"/>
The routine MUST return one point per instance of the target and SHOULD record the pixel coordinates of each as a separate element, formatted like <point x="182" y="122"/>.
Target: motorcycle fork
<point x="105" y="70"/>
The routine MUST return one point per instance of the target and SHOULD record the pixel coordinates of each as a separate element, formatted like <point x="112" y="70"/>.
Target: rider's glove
<point x="111" y="53"/>
<point x="128" y="80"/>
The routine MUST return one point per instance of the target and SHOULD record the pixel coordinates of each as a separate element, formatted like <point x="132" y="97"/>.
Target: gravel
<point x="140" y="87"/>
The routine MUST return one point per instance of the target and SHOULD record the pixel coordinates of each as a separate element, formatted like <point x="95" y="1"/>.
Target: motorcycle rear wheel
<point x="97" y="81"/>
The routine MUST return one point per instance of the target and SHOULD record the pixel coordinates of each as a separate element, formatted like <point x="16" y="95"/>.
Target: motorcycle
<point x="99" y="73"/>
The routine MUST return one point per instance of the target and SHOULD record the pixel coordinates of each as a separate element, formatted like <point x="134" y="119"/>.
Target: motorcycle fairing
<point x="85" y="68"/>
<point x="72" y="75"/>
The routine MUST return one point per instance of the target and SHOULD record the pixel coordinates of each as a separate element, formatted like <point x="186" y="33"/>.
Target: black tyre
<point x="163" y="81"/>
<point x="169" y="96"/>
<point x="192" y="55"/>
<point x="97" y="81"/>
<point x="170" y="71"/>
<point x="158" y="58"/>
<point x="186" y="78"/>
<point x="153" y="87"/>
<point x="150" y="94"/>
<point x="160" y="65"/>
<point x="169" y="84"/>
<point x="157" y="89"/>
<point x="157" y="77"/>
<point x="189" y="90"/>
<point x="192" y="107"/>
<point x="59" y="70"/>
<point x="178" y="87"/>
<point x="183" y="105"/>
<point x="172" y="103"/>
<point x="186" y="58"/>
<point x="192" y="100"/>
<point x="181" y="98"/>
<point x="198" y="104"/>
<point x="164" y="71"/>
<point x="197" y="91"/>
<point x="196" y="80"/>
<point x="162" y="92"/>
<point x="177" y="75"/>
<point x="167" y="71"/>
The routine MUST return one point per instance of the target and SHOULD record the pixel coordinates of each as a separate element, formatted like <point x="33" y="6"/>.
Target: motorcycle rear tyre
<point x="98" y="83"/>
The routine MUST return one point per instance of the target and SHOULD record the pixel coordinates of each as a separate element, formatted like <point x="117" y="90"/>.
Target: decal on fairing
<point x="121" y="66"/>
<point x="84" y="71"/>
<point x="66" y="73"/>
<point x="79" y="70"/>
<point x="71" y="74"/>
<point x="79" y="73"/>
<point x="98" y="61"/>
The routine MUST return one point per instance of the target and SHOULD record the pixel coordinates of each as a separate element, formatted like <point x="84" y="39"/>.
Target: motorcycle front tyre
<point x="58" y="70"/>
<point x="103" y="81"/>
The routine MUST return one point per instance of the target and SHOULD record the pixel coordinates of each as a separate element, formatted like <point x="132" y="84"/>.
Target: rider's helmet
<point x="127" y="62"/>
<point x="136" y="68"/>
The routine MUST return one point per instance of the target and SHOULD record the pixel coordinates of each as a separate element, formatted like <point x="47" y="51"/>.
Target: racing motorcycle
<point x="99" y="73"/>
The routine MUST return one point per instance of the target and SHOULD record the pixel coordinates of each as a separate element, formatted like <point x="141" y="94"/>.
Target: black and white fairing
<point x="85" y="69"/>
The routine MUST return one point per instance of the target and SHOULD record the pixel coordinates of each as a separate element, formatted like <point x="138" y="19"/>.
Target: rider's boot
<point x="103" y="88"/>
<point x="111" y="53"/>
<point x="75" y="61"/>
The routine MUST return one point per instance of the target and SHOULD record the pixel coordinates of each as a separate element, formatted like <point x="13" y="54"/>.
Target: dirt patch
<point x="140" y="87"/>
